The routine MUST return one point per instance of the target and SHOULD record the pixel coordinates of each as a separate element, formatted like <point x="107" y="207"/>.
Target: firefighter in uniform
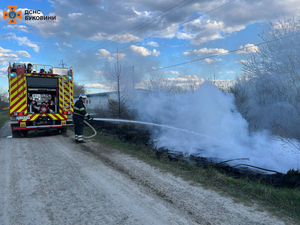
<point x="78" y="117"/>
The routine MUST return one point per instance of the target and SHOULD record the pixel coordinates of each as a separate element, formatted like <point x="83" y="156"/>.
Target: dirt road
<point x="51" y="180"/>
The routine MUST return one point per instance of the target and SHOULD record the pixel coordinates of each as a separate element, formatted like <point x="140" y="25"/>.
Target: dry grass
<point x="4" y="116"/>
<point x="282" y="202"/>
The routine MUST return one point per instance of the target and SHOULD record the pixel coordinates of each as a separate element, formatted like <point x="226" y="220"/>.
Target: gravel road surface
<point x="48" y="179"/>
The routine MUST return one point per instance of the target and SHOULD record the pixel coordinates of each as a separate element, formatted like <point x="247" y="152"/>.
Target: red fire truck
<point x="40" y="97"/>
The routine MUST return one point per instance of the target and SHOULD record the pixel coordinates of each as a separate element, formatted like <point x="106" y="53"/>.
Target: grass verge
<point x="282" y="202"/>
<point x="4" y="116"/>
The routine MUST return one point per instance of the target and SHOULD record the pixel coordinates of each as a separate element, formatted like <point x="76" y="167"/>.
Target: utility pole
<point x="118" y="80"/>
<point x="62" y="63"/>
<point x="128" y="69"/>
<point x="133" y="77"/>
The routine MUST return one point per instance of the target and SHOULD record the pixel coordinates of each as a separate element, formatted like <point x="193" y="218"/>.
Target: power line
<point x="164" y="31"/>
<point x="212" y="56"/>
<point x="170" y="28"/>
<point x="165" y="15"/>
<point x="136" y="28"/>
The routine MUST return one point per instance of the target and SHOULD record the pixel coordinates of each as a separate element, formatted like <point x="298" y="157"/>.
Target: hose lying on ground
<point x="92" y="129"/>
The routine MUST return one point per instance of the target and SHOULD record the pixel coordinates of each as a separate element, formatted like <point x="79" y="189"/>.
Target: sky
<point x="174" y="39"/>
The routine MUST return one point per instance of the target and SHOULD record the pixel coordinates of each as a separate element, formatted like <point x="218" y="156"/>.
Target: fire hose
<point x="95" y="132"/>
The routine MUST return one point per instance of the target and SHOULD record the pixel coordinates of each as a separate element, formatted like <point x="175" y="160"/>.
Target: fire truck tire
<point x="64" y="130"/>
<point x="24" y="133"/>
<point x="16" y="134"/>
<point x="55" y="132"/>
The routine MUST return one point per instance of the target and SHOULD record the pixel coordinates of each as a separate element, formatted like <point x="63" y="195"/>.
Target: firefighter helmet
<point x="82" y="96"/>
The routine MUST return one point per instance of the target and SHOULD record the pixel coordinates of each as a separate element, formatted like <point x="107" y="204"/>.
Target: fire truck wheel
<point x="55" y="132"/>
<point x="16" y="134"/>
<point x="64" y="130"/>
<point x="24" y="133"/>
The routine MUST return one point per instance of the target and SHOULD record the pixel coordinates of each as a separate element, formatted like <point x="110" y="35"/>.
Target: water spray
<point x="151" y="124"/>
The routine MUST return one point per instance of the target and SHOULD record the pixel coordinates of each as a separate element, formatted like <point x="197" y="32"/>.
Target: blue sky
<point x="149" y="34"/>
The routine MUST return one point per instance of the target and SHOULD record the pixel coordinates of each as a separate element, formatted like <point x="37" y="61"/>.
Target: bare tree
<point x="120" y="104"/>
<point x="273" y="81"/>
<point x="165" y="85"/>
<point x="78" y="89"/>
<point x="3" y="99"/>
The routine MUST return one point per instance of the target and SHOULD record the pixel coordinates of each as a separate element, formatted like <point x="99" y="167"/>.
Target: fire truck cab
<point x="40" y="97"/>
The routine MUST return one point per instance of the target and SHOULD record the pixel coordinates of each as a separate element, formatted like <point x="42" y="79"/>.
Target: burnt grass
<point x="140" y="135"/>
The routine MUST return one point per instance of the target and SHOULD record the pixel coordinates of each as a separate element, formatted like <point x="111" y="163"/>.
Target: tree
<point x="166" y="86"/>
<point x="269" y="95"/>
<point x="280" y="54"/>
<point x="3" y="99"/>
<point x="119" y="105"/>
<point x="78" y="89"/>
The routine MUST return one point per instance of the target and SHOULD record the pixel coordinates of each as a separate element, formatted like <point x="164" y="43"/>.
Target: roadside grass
<point x="283" y="202"/>
<point x="4" y="116"/>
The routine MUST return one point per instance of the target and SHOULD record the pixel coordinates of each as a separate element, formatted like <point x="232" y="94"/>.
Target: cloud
<point x="187" y="80"/>
<point x="209" y="61"/>
<point x="74" y="15"/>
<point x="2" y="50"/>
<point x="124" y="38"/>
<point x="103" y="53"/>
<point x="182" y="35"/>
<point x="26" y="42"/>
<point x="68" y="45"/>
<point x="200" y="31"/>
<point x="98" y="73"/>
<point x="18" y="27"/>
<point x="152" y="43"/>
<point x="140" y="50"/>
<point x="3" y="71"/>
<point x="21" y="41"/>
<point x="24" y="53"/>
<point x="102" y="21"/>
<point x="46" y="28"/>
<point x="5" y="58"/>
<point x="64" y="43"/>
<point x="7" y="55"/>
<point x="155" y="52"/>
<point x="97" y="86"/>
<point x="143" y="51"/>
<point x="242" y="61"/>
<point x="121" y="56"/>
<point x="227" y="72"/>
<point x="249" y="48"/>
<point x="174" y="72"/>
<point x="206" y="52"/>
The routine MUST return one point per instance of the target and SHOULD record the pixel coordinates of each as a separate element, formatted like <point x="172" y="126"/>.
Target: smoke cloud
<point x="224" y="132"/>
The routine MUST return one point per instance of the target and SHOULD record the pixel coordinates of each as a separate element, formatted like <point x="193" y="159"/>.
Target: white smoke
<point x="210" y="112"/>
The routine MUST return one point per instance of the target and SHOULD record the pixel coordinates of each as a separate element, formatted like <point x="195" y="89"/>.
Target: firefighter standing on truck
<point x="78" y="117"/>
